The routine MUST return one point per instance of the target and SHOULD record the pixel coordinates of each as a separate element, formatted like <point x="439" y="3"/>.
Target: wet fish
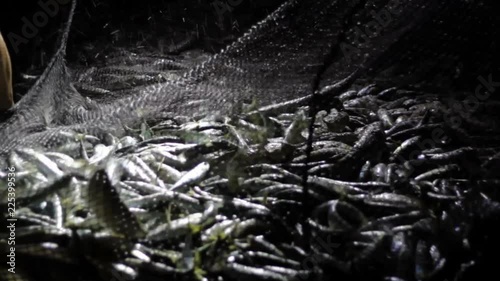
<point x="105" y="202"/>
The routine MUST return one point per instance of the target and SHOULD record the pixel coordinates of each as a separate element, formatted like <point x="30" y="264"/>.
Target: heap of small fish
<point x="396" y="192"/>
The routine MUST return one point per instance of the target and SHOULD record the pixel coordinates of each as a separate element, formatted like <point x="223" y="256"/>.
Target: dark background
<point x="157" y="23"/>
<point x="160" y="23"/>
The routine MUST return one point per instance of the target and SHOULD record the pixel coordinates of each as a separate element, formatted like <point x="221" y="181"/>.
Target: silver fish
<point x="193" y="176"/>
<point x="105" y="202"/>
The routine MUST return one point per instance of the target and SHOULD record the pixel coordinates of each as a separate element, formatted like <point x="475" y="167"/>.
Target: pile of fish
<point x="401" y="185"/>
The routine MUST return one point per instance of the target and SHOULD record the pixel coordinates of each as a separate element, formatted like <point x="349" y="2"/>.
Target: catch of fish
<point x="397" y="190"/>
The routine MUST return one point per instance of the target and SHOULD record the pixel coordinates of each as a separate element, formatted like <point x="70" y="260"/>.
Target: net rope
<point x="276" y="59"/>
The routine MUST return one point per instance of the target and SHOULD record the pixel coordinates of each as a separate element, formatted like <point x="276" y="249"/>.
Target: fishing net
<point x="346" y="139"/>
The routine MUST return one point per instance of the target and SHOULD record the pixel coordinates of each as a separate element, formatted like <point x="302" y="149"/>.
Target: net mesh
<point x="278" y="58"/>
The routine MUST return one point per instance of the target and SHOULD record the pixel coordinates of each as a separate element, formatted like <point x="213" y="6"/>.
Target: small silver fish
<point x="44" y="163"/>
<point x="105" y="202"/>
<point x="193" y="176"/>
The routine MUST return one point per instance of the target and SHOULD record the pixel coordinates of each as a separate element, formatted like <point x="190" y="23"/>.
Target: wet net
<point x="333" y="139"/>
